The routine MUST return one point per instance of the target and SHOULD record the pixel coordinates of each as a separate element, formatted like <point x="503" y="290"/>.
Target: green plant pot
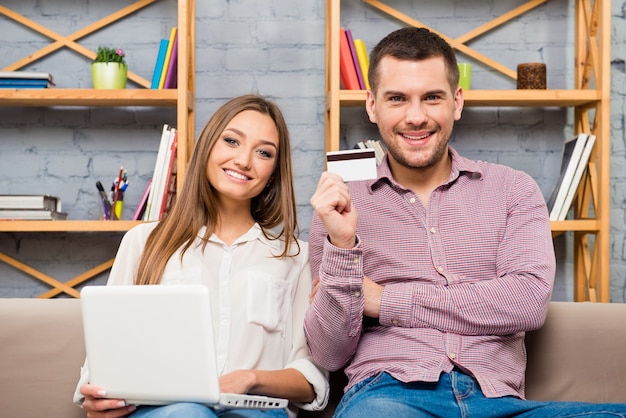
<point x="109" y="75"/>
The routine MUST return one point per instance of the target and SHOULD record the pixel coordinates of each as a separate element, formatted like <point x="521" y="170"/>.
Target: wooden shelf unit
<point x="182" y="98"/>
<point x="590" y="99"/>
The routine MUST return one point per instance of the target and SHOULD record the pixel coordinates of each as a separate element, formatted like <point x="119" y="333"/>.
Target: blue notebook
<point x="158" y="68"/>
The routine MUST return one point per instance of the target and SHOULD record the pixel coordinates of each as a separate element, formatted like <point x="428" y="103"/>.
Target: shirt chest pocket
<point x="266" y="301"/>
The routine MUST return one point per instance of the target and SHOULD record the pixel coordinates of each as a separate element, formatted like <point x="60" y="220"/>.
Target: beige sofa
<point x="580" y="354"/>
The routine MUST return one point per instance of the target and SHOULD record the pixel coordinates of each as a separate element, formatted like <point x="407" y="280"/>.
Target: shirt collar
<point x="254" y="233"/>
<point x="460" y="166"/>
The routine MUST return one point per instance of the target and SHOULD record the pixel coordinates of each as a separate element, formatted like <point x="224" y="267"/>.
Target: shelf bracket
<point x="58" y="287"/>
<point x="69" y="41"/>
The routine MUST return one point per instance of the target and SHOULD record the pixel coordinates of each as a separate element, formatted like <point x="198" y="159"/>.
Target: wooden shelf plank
<point x="503" y="98"/>
<point x="66" y="226"/>
<point x="576" y="225"/>
<point x="88" y="97"/>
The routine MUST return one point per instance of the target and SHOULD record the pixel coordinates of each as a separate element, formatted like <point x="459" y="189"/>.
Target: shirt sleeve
<point x="513" y="299"/>
<point x="333" y="323"/>
<point x="300" y="357"/>
<point x="124" y="271"/>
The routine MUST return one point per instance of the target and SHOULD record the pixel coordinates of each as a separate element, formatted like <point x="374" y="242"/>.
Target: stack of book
<point x="25" y="80"/>
<point x="160" y="192"/>
<point x="574" y="162"/>
<point x="376" y="145"/>
<point x="31" y="207"/>
<point x="165" y="74"/>
<point x="353" y="62"/>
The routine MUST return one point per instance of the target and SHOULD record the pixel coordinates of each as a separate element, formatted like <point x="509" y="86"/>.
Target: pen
<point x="106" y="205"/>
<point x="116" y="195"/>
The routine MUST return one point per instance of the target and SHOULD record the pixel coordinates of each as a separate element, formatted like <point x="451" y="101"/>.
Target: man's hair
<point x="413" y="44"/>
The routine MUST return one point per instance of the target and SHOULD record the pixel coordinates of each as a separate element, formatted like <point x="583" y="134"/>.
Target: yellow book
<point x="361" y="53"/>
<point x="168" y="54"/>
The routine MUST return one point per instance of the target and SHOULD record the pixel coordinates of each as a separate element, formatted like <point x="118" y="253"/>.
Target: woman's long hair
<point x="195" y="205"/>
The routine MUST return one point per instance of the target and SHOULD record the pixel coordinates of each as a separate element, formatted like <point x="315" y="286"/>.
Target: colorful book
<point x="355" y="59"/>
<point x="160" y="61"/>
<point x="143" y="202"/>
<point x="24" y="81"/>
<point x="32" y="214"/>
<point x="168" y="53"/>
<point x="169" y="177"/>
<point x="578" y="174"/>
<point x="347" y="71"/>
<point x="34" y="201"/>
<point x="572" y="151"/>
<point x="32" y="75"/>
<point x="364" y="63"/>
<point x="171" y="79"/>
<point x="23" y="86"/>
<point x="159" y="178"/>
<point x="158" y="167"/>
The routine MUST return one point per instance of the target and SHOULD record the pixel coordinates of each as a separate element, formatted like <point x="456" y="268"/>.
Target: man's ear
<point x="370" y="106"/>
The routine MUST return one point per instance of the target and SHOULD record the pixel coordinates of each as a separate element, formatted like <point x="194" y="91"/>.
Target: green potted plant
<point x="109" y="69"/>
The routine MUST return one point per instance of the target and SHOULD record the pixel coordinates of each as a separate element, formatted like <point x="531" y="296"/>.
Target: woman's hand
<point x="98" y="407"/>
<point x="237" y="381"/>
<point x="284" y="383"/>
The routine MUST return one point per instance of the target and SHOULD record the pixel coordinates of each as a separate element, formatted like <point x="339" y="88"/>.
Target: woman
<point x="233" y="228"/>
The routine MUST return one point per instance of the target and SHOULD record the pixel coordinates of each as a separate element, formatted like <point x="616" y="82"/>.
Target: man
<point x="430" y="275"/>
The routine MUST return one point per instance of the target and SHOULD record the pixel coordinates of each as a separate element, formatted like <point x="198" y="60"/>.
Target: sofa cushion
<point x="578" y="355"/>
<point x="41" y="352"/>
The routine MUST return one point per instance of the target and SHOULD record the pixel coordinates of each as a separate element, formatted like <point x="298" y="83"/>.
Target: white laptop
<point x="153" y="345"/>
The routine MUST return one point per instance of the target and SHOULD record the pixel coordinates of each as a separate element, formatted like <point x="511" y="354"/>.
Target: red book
<point x="347" y="72"/>
<point x="355" y="59"/>
<point x="170" y="179"/>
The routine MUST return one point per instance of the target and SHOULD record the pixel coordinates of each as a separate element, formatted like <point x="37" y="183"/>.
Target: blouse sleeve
<point x="300" y="357"/>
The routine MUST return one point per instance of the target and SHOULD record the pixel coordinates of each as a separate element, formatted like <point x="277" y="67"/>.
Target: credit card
<point x="353" y="164"/>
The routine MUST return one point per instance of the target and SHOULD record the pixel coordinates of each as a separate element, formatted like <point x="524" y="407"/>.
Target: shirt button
<point x="357" y="294"/>
<point x="440" y="269"/>
<point x="395" y="322"/>
<point x="451" y="356"/>
<point x="412" y="200"/>
<point x="356" y="261"/>
<point x="432" y="230"/>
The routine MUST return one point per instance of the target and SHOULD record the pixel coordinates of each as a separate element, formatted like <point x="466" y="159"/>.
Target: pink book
<point x="141" y="207"/>
<point x="171" y="79"/>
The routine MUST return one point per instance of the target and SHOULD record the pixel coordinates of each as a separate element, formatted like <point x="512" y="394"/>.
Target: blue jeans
<point x="194" y="410"/>
<point x="454" y="395"/>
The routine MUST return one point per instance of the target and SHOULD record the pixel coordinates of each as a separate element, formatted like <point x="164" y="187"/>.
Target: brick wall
<point x="275" y="48"/>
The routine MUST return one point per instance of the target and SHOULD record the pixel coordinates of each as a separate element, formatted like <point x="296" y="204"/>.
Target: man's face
<point x="415" y="109"/>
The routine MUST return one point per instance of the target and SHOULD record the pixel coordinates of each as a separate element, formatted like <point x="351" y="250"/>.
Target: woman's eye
<point x="265" y="153"/>
<point x="230" y="141"/>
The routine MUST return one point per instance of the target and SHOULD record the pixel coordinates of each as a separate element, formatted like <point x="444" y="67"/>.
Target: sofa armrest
<point x="578" y="355"/>
<point x="41" y="352"/>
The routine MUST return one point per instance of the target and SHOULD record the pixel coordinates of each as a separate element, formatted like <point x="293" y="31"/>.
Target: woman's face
<point x="244" y="156"/>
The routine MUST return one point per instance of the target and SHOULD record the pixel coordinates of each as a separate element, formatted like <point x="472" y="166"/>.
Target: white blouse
<point x="258" y="301"/>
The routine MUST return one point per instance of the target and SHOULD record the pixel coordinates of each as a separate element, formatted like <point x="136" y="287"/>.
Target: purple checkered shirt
<point x="464" y="279"/>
